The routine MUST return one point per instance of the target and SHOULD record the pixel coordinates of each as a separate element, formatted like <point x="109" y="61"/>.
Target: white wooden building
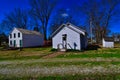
<point x="108" y="42"/>
<point x="69" y="36"/>
<point x="25" y="38"/>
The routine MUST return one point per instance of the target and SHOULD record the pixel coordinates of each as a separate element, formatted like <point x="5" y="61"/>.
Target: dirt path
<point x="53" y="55"/>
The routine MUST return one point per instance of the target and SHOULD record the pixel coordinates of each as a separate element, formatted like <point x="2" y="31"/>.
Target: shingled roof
<point x="71" y="26"/>
<point x="109" y="39"/>
<point x="24" y="31"/>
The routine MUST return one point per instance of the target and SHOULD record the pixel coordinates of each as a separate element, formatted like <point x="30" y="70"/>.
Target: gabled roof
<point x="24" y="31"/>
<point x="71" y="26"/>
<point x="109" y="39"/>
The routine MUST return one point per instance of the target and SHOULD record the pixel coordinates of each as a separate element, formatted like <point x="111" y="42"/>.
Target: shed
<point x="108" y="42"/>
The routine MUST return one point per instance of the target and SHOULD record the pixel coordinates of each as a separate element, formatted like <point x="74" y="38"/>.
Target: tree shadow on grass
<point x="93" y="47"/>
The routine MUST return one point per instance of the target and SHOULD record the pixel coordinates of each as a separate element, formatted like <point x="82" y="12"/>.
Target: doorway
<point x="64" y="41"/>
<point x="20" y="43"/>
<point x="14" y="43"/>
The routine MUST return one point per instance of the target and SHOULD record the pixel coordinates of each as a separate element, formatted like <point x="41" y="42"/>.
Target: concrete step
<point x="62" y="50"/>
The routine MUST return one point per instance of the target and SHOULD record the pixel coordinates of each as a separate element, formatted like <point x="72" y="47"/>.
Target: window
<point x="10" y="35"/>
<point x="14" y="35"/>
<point x="10" y="42"/>
<point x="18" y="34"/>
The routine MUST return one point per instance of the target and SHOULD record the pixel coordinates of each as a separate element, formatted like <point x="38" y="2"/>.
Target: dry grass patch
<point x="25" y="53"/>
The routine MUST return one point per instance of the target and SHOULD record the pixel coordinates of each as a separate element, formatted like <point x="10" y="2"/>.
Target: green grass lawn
<point x="28" y="64"/>
<point x="104" y="53"/>
<point x="26" y="53"/>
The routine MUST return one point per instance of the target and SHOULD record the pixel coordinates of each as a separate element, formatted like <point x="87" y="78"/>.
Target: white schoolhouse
<point x="25" y="38"/>
<point x="69" y="36"/>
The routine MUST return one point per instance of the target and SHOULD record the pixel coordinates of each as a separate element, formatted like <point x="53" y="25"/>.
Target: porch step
<point x="62" y="50"/>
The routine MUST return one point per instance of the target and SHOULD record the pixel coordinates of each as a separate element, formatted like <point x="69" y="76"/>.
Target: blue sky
<point x="7" y="6"/>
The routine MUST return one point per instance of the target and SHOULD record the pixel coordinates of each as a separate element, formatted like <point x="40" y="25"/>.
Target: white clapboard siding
<point x="28" y="38"/>
<point x="108" y="44"/>
<point x="74" y="37"/>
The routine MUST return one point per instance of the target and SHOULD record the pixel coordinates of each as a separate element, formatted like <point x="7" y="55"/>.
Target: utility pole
<point x="91" y="30"/>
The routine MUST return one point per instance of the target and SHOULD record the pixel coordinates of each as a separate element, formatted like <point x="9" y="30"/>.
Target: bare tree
<point x="17" y="18"/>
<point x="1" y="28"/>
<point x="61" y="17"/>
<point x="99" y="13"/>
<point x="3" y="38"/>
<point x="34" y="23"/>
<point x="116" y="37"/>
<point x="42" y="10"/>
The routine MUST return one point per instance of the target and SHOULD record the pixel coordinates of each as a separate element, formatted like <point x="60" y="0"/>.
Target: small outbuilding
<point x="108" y="42"/>
<point x="25" y="38"/>
<point x="69" y="36"/>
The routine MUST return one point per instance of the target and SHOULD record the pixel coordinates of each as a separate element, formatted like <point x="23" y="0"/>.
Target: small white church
<point x="25" y="38"/>
<point x="69" y="36"/>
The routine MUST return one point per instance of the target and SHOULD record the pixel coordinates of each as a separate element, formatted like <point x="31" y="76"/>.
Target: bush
<point x="92" y="47"/>
<point x="73" y="50"/>
<point x="4" y="47"/>
<point x="53" y="49"/>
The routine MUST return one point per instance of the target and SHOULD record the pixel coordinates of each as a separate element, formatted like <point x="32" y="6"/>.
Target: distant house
<point x="108" y="42"/>
<point x="116" y="39"/>
<point x="25" y="38"/>
<point x="69" y="36"/>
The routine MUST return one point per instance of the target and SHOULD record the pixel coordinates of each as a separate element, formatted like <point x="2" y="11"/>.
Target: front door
<point x="20" y="43"/>
<point x="64" y="40"/>
<point x="14" y="43"/>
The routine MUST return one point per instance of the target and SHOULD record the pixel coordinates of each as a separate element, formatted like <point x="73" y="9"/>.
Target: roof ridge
<point x="75" y="26"/>
<point x="77" y="29"/>
<point x="25" y="31"/>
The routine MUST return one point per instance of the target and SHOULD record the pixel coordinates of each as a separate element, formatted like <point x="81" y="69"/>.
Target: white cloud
<point x="65" y="15"/>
